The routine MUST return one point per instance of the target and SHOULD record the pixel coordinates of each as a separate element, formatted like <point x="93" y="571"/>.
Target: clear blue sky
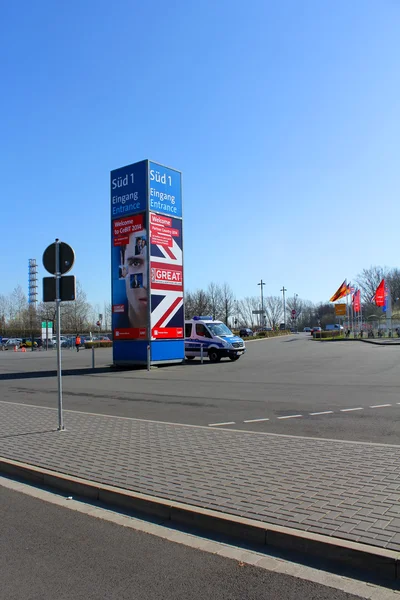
<point x="283" y="117"/>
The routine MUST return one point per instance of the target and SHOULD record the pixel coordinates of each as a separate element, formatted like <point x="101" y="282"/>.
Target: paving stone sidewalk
<point x="342" y="489"/>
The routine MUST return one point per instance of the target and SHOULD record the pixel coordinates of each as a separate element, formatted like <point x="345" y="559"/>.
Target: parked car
<point x="307" y="329"/>
<point x="245" y="332"/>
<point x="315" y="329"/>
<point x="9" y="345"/>
<point x="68" y="342"/>
<point x="27" y="343"/>
<point x="50" y="343"/>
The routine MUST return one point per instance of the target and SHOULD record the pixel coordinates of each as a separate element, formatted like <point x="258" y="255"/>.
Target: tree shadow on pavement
<point x="13" y="435"/>
<point x="53" y="373"/>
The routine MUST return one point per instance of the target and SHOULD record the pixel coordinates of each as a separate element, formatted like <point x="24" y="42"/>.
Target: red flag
<point x="380" y="294"/>
<point x="357" y="301"/>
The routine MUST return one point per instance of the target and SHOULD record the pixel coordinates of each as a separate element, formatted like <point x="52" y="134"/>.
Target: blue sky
<point x="282" y="116"/>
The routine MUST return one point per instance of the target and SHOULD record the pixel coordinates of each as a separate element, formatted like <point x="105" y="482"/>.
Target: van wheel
<point x="235" y="357"/>
<point x="214" y="355"/>
<point x="190" y="358"/>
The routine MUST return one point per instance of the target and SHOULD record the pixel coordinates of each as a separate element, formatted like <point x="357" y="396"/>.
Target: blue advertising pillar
<point x="147" y="264"/>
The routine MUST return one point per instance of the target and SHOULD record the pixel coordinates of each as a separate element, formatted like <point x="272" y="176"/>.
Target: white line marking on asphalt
<point x="290" y="417"/>
<point x="255" y="420"/>
<point x="324" y="412"/>
<point x="191" y="426"/>
<point x="221" y="424"/>
<point x="380" y="405"/>
<point x="350" y="409"/>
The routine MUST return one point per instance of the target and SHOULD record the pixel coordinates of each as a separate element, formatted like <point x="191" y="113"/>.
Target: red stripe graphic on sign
<point x="168" y="251"/>
<point x="168" y="312"/>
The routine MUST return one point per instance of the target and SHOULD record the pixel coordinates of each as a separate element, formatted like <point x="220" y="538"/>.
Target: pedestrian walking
<point x="77" y="343"/>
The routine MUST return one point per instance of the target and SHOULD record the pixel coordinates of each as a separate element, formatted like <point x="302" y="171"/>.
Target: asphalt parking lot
<point x="290" y="385"/>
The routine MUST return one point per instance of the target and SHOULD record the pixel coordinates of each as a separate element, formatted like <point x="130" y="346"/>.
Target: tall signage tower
<point x="147" y="264"/>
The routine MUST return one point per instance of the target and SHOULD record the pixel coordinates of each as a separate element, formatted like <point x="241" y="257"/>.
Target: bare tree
<point x="75" y="314"/>
<point x="324" y="314"/>
<point x="196" y="303"/>
<point x="46" y="311"/>
<point x="228" y="300"/>
<point x="296" y="304"/>
<point x="19" y="311"/>
<point x="306" y="317"/>
<point x="393" y="278"/>
<point x="3" y="312"/>
<point x="274" y="310"/>
<point x="215" y="300"/>
<point x="369" y="279"/>
<point x="107" y="316"/>
<point x="245" y="311"/>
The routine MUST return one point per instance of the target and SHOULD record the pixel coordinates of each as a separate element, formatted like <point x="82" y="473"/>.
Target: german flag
<point x="340" y="292"/>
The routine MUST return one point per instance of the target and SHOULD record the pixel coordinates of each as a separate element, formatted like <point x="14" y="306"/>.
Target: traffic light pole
<point x="58" y="338"/>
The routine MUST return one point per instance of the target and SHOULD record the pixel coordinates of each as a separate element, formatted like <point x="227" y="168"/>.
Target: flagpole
<point x="352" y="316"/>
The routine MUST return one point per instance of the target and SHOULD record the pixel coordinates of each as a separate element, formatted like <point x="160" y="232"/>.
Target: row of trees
<point x="218" y="300"/>
<point x="18" y="318"/>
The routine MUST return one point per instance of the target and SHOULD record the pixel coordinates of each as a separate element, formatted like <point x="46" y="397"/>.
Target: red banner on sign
<point x="166" y="277"/>
<point x="161" y="231"/>
<point x="118" y="308"/>
<point x="380" y="294"/>
<point x="131" y="333"/>
<point x="159" y="220"/>
<point x="357" y="301"/>
<point x="160" y="238"/>
<point x="167" y="332"/>
<point x="123" y="228"/>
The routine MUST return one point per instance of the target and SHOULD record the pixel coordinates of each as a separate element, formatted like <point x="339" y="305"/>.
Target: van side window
<point x="202" y="331"/>
<point x="188" y="330"/>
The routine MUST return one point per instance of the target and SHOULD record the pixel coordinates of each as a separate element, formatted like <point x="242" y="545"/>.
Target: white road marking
<point x="324" y="412"/>
<point x="290" y="417"/>
<point x="350" y="409"/>
<point x="255" y="420"/>
<point x="221" y="424"/>
<point x="380" y="405"/>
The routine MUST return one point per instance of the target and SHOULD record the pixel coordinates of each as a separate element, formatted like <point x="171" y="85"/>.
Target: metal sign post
<point x="58" y="336"/>
<point x="58" y="259"/>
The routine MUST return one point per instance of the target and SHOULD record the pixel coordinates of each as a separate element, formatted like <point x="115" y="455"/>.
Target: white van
<point x="216" y="339"/>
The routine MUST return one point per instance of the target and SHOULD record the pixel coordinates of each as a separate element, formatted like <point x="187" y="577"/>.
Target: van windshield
<point x="219" y="329"/>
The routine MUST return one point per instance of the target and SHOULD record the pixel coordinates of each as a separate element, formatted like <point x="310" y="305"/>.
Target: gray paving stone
<point x="335" y="488"/>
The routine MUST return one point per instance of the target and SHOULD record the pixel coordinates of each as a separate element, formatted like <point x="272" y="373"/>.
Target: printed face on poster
<point x="130" y="267"/>
<point x="166" y="277"/>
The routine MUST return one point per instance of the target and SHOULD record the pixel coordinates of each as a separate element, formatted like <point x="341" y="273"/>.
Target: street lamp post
<point x="261" y="284"/>
<point x="283" y="290"/>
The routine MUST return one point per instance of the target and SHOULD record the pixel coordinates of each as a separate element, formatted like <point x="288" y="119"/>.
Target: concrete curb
<point x="377" y="561"/>
<point x="272" y="337"/>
